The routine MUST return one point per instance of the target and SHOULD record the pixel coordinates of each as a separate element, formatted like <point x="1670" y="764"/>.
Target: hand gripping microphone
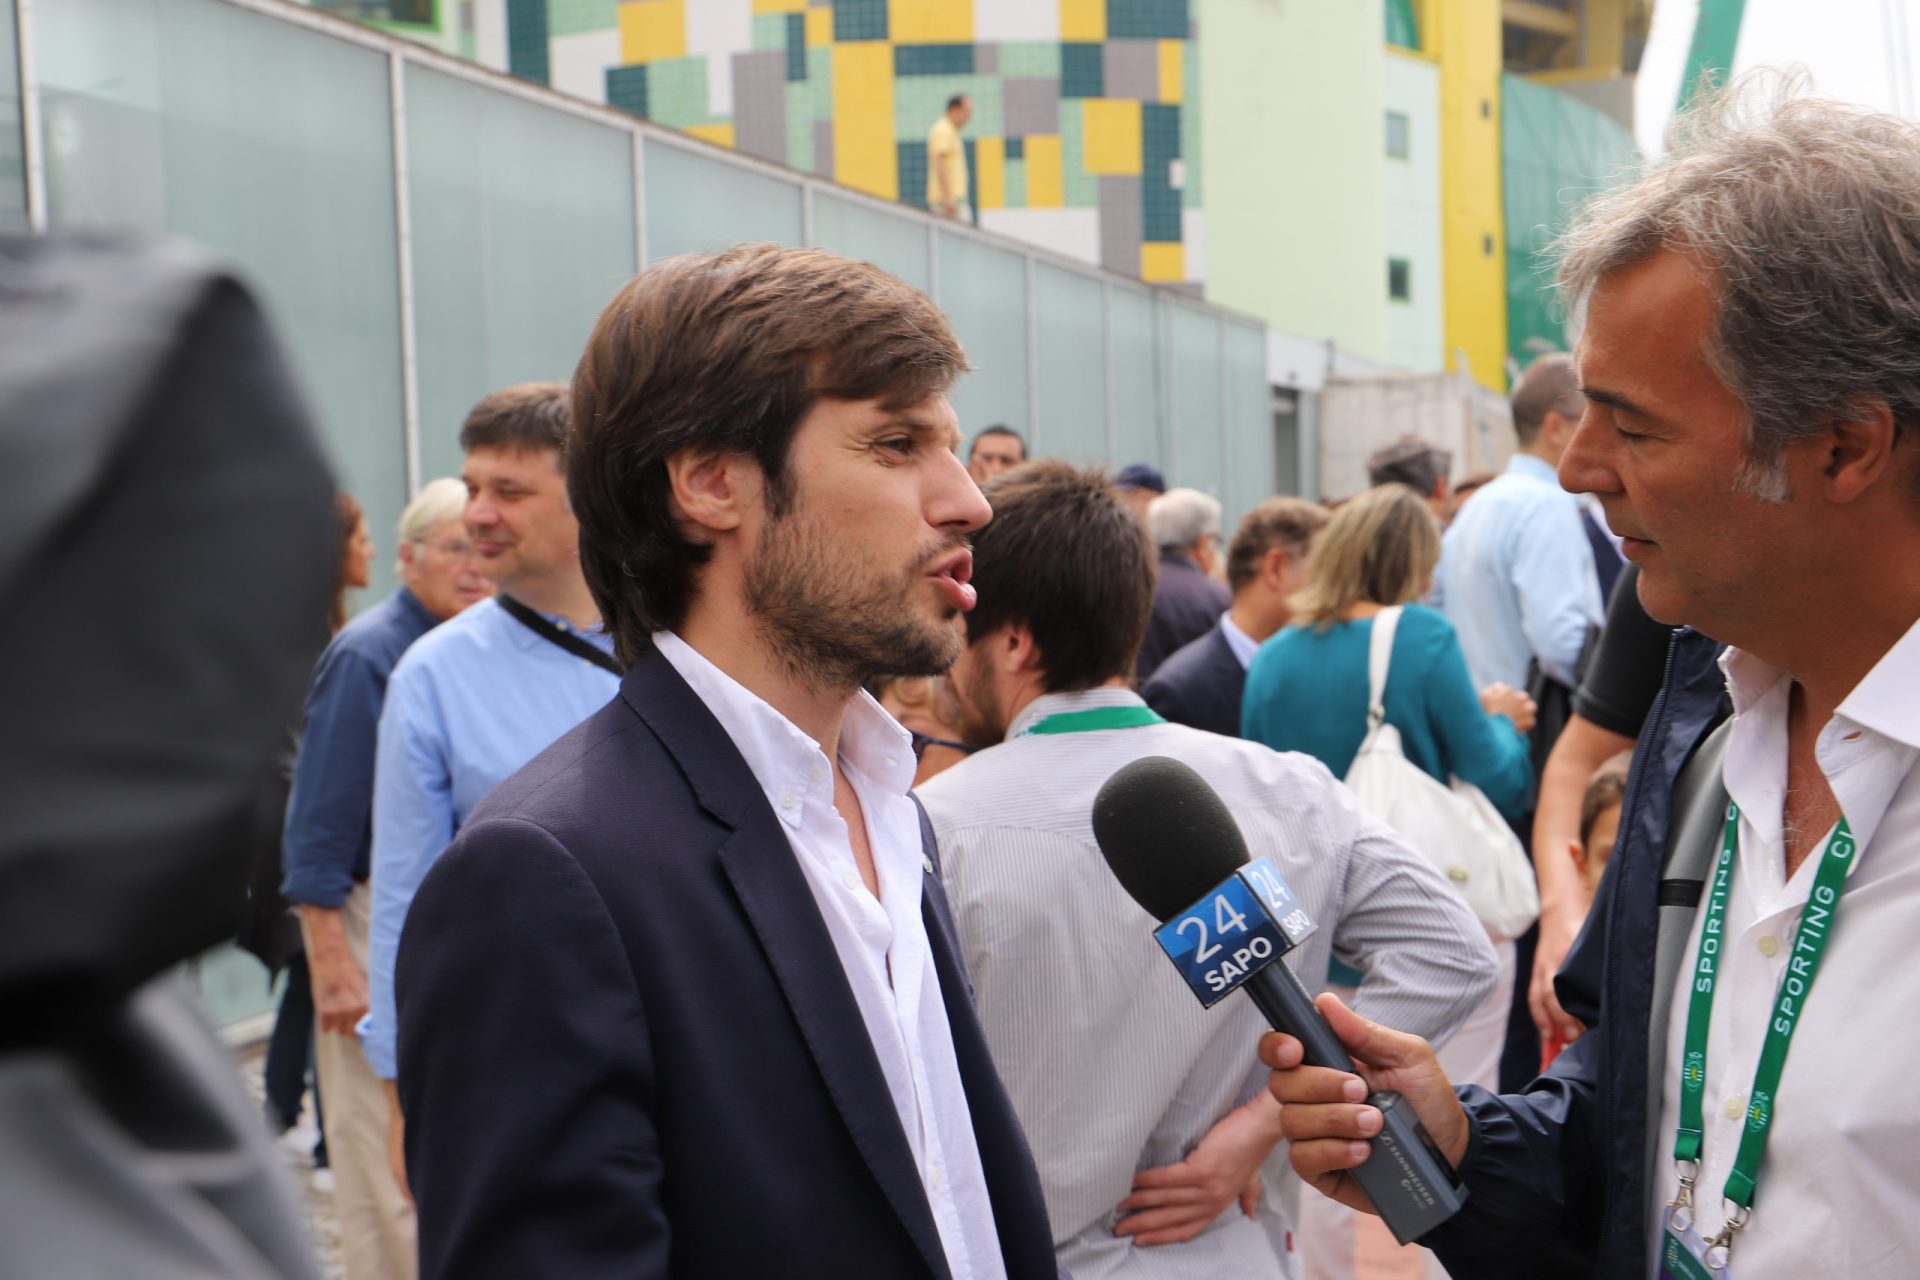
<point x="1225" y="924"/>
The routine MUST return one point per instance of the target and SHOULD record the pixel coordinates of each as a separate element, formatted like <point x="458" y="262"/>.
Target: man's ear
<point x="1274" y="565"/>
<point x="1858" y="451"/>
<point x="711" y="489"/>
<point x="1015" y="651"/>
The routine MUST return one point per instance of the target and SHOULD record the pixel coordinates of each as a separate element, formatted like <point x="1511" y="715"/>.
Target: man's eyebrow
<point x="923" y="427"/>
<point x="1614" y="400"/>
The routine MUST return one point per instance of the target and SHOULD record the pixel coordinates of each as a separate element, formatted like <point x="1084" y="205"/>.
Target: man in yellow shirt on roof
<point x="947" y="159"/>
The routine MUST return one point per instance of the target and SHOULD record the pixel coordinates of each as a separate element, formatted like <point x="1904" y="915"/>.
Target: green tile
<point x="1079" y="189"/>
<point x="820" y="77"/>
<point x="1020" y="58"/>
<point x="570" y="17"/>
<point x="677" y="91"/>
<point x="769" y="32"/>
<point x="920" y="100"/>
<point x="800" y="125"/>
<point x="1016" y="184"/>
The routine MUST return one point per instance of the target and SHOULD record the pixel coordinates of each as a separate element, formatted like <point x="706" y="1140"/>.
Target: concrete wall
<point x="1291" y="130"/>
<point x="1415" y="328"/>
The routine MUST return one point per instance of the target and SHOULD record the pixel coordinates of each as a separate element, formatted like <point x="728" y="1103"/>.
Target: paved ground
<point x="315" y="1197"/>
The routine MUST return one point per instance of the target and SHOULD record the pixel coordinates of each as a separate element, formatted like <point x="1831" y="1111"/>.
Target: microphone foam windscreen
<point x="1166" y="834"/>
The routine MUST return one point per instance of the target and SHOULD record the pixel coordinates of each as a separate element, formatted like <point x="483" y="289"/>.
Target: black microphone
<point x="1225" y="921"/>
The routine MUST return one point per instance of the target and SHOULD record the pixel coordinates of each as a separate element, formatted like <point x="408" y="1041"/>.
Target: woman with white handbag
<point x="1375" y="687"/>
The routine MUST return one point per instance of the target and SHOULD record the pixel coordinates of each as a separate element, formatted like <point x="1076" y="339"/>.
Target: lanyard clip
<point x="1718" y="1255"/>
<point x="1682" y="1202"/>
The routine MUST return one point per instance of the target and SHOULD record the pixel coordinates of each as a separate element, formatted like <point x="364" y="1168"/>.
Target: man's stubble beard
<point x="833" y="628"/>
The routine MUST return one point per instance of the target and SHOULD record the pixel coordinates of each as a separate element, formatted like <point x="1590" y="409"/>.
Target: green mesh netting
<point x="1556" y="153"/>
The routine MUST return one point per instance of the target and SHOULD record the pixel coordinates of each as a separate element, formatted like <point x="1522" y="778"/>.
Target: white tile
<point x="995" y="20"/>
<point x="1193" y="233"/>
<point x="719" y="29"/>
<point x="577" y="64"/>
<point x="490" y="33"/>
<point x="1073" y="232"/>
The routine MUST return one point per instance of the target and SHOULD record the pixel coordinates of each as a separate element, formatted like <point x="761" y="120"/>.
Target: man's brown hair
<point x="1288" y="523"/>
<point x="1549" y="385"/>
<point x="727" y="352"/>
<point x="528" y="417"/>
<point x="1064" y="555"/>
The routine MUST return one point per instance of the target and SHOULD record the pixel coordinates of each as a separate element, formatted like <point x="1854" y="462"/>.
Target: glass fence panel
<point x="983" y="290"/>
<point x="896" y="245"/>
<point x="1136" y="378"/>
<point x="1197" y="459"/>
<point x="697" y="202"/>
<point x="1073" y="365"/>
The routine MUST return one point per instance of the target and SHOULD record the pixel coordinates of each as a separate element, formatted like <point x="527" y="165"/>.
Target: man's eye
<point x="898" y="444"/>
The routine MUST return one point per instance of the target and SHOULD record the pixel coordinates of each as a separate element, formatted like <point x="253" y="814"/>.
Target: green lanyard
<point x="1809" y="944"/>
<point x="1133" y="717"/>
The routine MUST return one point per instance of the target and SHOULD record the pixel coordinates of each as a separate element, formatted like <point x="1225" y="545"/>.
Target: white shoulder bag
<point x="1455" y="826"/>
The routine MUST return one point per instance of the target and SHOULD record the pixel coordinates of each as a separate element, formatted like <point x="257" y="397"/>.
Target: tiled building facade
<point x="1085" y="131"/>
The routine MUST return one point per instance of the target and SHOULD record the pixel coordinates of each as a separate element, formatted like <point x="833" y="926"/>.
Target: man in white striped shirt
<point x="1144" y="1110"/>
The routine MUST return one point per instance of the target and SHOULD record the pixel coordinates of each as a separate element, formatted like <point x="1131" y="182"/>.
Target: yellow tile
<point x="653" y="29"/>
<point x="1082" y="19"/>
<point x="930" y="21"/>
<point x="1172" y="64"/>
<point x="780" y="6"/>
<point x="864" y="154"/>
<point x="819" y="26"/>
<point x="990" y="168"/>
<point x="1163" y="263"/>
<point x="721" y="133"/>
<point x="1113" y="135"/>
<point x="1045" y="187"/>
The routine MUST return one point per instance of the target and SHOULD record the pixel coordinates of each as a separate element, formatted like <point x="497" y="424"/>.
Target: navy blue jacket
<point x="1186" y="602"/>
<point x="1200" y="685"/>
<point x="1564" y="1170"/>
<point x="628" y="1047"/>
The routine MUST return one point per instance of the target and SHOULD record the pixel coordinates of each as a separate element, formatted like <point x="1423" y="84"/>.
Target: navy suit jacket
<point x="1186" y="602"/>
<point x="627" y="1045"/>
<point x="1200" y="685"/>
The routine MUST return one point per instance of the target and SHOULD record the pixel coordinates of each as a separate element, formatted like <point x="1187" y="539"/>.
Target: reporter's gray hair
<point x="1804" y="216"/>
<point x="1179" y="518"/>
<point x="438" y="500"/>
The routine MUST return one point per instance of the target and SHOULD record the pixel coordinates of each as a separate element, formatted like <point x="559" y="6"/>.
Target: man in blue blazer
<point x="683" y="997"/>
<point x="1200" y="683"/>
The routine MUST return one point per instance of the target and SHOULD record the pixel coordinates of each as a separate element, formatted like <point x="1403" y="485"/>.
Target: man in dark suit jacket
<point x="1185" y="525"/>
<point x="1200" y="683"/>
<point x="683" y="997"/>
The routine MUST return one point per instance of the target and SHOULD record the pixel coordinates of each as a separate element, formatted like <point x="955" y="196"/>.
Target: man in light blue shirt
<point x="1516" y="570"/>
<point x="481" y="695"/>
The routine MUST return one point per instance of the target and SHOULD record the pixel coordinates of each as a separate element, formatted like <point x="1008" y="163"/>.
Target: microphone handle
<point x="1290" y="1009"/>
<point x="1410" y="1183"/>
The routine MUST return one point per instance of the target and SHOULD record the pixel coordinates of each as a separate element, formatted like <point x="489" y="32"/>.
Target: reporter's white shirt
<point x="1839" y="1190"/>
<point x="882" y="944"/>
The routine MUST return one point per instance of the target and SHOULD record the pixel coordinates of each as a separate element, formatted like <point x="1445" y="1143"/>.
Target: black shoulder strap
<point x="573" y="644"/>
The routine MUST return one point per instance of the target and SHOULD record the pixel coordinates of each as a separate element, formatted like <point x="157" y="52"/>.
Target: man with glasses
<point x="327" y="849"/>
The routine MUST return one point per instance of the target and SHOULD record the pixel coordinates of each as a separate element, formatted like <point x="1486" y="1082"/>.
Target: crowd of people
<point x="694" y="854"/>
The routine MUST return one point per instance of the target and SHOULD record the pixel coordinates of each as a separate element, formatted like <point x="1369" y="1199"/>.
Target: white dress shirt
<point x="1243" y="645"/>
<point x="1839" y="1188"/>
<point x="1112" y="1064"/>
<point x="882" y="943"/>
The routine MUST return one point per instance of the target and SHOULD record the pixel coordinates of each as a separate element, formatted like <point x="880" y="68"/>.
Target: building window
<point x="1399" y="280"/>
<point x="1397" y="128"/>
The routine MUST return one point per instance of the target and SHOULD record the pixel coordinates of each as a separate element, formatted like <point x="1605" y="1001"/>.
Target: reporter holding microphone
<point x="1751" y="363"/>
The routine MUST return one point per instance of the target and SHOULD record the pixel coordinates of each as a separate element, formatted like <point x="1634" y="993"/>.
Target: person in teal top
<point x="1307" y="688"/>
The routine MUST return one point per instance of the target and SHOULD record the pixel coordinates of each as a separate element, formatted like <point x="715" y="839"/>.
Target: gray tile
<point x="823" y="148"/>
<point x="1121" y="222"/>
<point x="1032" y="105"/>
<point x="986" y="59"/>
<point x="760" y="104"/>
<point x="1131" y="69"/>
